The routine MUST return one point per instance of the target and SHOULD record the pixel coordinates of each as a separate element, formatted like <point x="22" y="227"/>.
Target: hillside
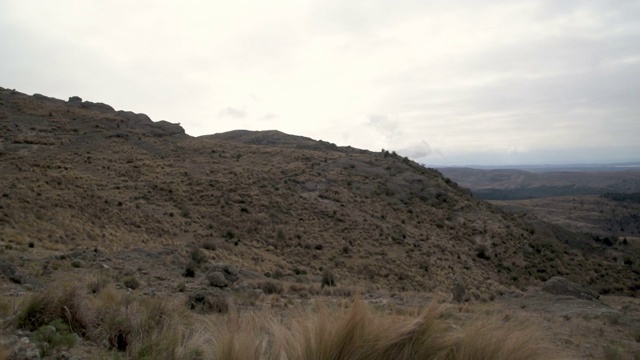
<point x="80" y="176"/>
<point x="122" y="222"/>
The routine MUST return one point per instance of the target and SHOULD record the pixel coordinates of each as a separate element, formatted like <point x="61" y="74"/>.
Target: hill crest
<point x="266" y="202"/>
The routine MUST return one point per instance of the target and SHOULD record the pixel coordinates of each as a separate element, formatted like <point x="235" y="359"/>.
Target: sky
<point x="444" y="83"/>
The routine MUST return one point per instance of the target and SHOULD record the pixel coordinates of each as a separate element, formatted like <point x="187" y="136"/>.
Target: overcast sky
<point x="455" y="82"/>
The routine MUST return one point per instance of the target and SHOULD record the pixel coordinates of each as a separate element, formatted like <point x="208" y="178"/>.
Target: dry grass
<point x="141" y="328"/>
<point x="357" y="332"/>
<point x="5" y="353"/>
<point x="150" y="328"/>
<point x="495" y="339"/>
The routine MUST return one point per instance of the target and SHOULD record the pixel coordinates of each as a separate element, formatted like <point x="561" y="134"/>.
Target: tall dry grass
<point x="138" y="327"/>
<point x="359" y="333"/>
<point x="151" y="328"/>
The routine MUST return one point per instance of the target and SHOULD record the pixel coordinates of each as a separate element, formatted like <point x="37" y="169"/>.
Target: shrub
<point x="198" y="256"/>
<point x="131" y="282"/>
<point x="98" y="283"/>
<point x="299" y="271"/>
<point x="328" y="278"/>
<point x="51" y="338"/>
<point x="190" y="270"/>
<point x="209" y="245"/>
<point x="217" y="279"/>
<point x="459" y="291"/>
<point x="202" y="302"/>
<point x="270" y="287"/>
<point x="67" y="304"/>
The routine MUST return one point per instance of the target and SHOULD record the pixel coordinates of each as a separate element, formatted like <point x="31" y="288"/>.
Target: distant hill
<point x="513" y="184"/>
<point x="80" y="176"/>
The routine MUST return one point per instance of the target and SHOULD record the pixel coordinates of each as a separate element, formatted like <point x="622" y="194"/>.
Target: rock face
<point x="560" y="286"/>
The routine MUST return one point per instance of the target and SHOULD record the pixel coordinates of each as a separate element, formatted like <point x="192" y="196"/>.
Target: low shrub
<point x="328" y="278"/>
<point x="271" y="287"/>
<point x="204" y="303"/>
<point x="190" y="270"/>
<point x="198" y="256"/>
<point x="131" y="282"/>
<point x="54" y="337"/>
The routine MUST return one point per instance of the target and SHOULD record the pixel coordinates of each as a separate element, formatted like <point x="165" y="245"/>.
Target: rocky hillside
<point x="80" y="176"/>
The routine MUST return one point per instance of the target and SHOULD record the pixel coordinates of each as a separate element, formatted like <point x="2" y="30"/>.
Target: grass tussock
<point x="67" y="303"/>
<point x="138" y="327"/>
<point x="499" y="340"/>
<point x="359" y="333"/>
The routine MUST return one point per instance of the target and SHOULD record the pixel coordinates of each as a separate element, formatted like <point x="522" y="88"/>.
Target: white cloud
<point x="465" y="77"/>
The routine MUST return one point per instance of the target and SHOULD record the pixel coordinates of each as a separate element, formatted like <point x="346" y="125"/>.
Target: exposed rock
<point x="169" y="128"/>
<point x="558" y="285"/>
<point x="48" y="99"/>
<point x="96" y="106"/>
<point x="75" y="100"/>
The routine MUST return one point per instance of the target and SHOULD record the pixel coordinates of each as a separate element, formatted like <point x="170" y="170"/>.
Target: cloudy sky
<point x="455" y="82"/>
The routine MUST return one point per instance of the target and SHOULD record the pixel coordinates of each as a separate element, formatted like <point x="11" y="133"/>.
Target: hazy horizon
<point x="462" y="83"/>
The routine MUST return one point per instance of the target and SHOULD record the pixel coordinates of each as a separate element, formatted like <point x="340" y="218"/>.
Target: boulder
<point x="558" y="285"/>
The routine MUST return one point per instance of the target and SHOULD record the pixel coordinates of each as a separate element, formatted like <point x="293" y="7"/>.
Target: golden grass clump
<point x="151" y="328"/>
<point x="496" y="339"/>
<point x="359" y="333"/>
<point x="67" y="303"/>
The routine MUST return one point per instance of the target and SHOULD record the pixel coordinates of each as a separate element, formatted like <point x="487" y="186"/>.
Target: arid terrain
<point x="593" y="214"/>
<point x="107" y="216"/>
<point x="539" y="182"/>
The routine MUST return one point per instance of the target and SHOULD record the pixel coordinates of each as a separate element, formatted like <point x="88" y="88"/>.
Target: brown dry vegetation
<point x="152" y="328"/>
<point x="593" y="214"/>
<point x="116" y="181"/>
<point x="136" y="211"/>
